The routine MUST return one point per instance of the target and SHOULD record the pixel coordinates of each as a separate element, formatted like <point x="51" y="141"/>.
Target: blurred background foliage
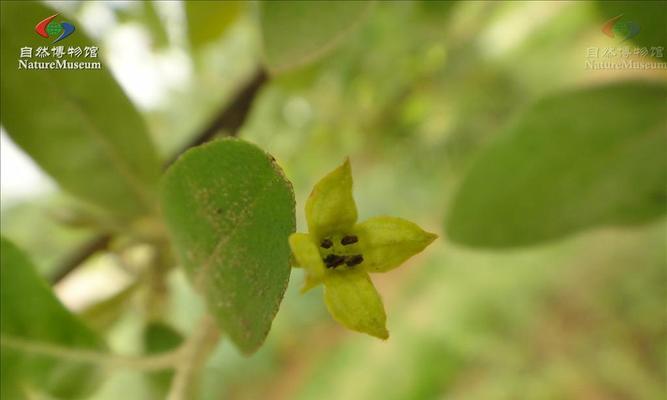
<point x="413" y="95"/>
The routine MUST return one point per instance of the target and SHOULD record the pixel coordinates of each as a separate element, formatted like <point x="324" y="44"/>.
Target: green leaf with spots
<point x="78" y="125"/>
<point x="32" y="317"/>
<point x="230" y="211"/>
<point x="298" y="32"/>
<point x="580" y="159"/>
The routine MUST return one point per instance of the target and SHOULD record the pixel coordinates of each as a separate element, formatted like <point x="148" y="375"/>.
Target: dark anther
<point x="348" y="240"/>
<point x="332" y="261"/>
<point x="326" y="243"/>
<point x="354" y="260"/>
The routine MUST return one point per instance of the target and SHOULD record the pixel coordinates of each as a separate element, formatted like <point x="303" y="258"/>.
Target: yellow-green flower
<point x="340" y="253"/>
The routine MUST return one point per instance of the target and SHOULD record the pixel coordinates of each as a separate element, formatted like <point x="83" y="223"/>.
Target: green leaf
<point x="160" y="338"/>
<point x="208" y="20"/>
<point x="78" y="125"/>
<point x="298" y="32"/>
<point x="144" y="13"/>
<point x="230" y="211"/>
<point x="648" y="17"/>
<point x="153" y="23"/>
<point x="31" y="315"/>
<point x="589" y="157"/>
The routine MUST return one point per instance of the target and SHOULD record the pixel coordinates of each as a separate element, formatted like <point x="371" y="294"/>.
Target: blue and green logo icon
<point x="50" y="28"/>
<point x="615" y="27"/>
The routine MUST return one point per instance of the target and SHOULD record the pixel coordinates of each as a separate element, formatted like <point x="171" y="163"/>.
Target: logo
<point x="624" y="29"/>
<point x="55" y="55"/>
<point x="48" y="28"/>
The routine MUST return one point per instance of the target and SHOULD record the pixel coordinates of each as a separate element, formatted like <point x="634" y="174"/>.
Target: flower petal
<point x="330" y="207"/>
<point x="386" y="242"/>
<point x="353" y="301"/>
<point x="308" y="257"/>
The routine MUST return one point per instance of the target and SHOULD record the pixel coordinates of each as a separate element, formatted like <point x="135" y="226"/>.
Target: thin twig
<point x="229" y="120"/>
<point x="143" y="363"/>
<point x="195" y="353"/>
<point x="98" y="243"/>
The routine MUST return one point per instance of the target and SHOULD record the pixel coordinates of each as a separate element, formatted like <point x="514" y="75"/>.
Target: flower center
<point x="338" y="250"/>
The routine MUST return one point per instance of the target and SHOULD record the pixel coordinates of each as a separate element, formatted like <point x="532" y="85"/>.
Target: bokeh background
<point x="414" y="93"/>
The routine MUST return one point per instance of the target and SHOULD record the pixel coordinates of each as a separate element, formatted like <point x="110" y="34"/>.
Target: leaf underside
<point x="78" y="125"/>
<point x="589" y="157"/>
<point x="30" y="313"/>
<point x="297" y="32"/>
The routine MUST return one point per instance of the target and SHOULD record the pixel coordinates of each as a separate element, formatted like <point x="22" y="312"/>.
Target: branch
<point x="187" y="359"/>
<point x="195" y="353"/>
<point x="229" y="120"/>
<point x="76" y="258"/>
<point x="143" y="363"/>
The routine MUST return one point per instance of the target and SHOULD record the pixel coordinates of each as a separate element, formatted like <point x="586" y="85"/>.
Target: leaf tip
<point x="382" y="334"/>
<point x="429" y="237"/>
